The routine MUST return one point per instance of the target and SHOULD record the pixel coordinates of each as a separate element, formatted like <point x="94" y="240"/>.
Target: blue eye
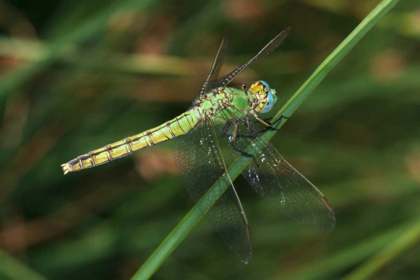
<point x="270" y="102"/>
<point x="265" y="84"/>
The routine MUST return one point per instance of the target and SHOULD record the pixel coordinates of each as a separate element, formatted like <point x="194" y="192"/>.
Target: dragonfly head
<point x="264" y="96"/>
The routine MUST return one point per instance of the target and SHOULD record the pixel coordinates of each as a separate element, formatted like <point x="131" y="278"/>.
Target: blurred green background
<point x="76" y="75"/>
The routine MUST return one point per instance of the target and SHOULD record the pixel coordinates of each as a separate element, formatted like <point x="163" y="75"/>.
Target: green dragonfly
<point x="223" y="112"/>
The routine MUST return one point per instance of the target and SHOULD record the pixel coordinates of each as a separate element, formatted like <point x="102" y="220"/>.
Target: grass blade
<point x="194" y="216"/>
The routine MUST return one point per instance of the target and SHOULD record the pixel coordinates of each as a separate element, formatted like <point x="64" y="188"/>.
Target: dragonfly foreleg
<point x="269" y="125"/>
<point x="279" y="119"/>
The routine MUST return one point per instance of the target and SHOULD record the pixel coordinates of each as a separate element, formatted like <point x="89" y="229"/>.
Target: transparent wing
<point x="200" y="163"/>
<point x="276" y="180"/>
<point x="271" y="46"/>
<point x="215" y="69"/>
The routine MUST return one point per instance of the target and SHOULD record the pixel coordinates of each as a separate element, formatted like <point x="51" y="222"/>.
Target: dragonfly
<point x="222" y="112"/>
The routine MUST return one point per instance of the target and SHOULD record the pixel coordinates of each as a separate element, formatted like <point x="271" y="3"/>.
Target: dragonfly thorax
<point x="215" y="101"/>
<point x="264" y="98"/>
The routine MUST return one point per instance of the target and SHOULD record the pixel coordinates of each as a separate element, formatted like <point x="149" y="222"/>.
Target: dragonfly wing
<point x="215" y="69"/>
<point x="276" y="180"/>
<point x="201" y="165"/>
<point x="271" y="46"/>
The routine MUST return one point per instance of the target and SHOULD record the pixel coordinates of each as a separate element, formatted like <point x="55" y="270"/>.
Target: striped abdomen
<point x="169" y="130"/>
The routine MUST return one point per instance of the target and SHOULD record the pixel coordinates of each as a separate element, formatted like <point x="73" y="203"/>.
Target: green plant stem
<point x="192" y="218"/>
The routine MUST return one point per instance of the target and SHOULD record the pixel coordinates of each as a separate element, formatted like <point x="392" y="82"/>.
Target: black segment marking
<point x="177" y="119"/>
<point x="186" y="117"/>
<point x="168" y="125"/>
<point x="150" y="138"/>
<point x="128" y="144"/>
<point x="80" y="162"/>
<point x="108" y="153"/>
<point x="91" y="159"/>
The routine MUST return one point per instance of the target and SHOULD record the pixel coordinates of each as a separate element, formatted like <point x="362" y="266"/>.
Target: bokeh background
<point x="76" y="75"/>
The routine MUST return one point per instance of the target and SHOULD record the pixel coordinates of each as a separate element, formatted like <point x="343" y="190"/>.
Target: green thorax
<point x="221" y="99"/>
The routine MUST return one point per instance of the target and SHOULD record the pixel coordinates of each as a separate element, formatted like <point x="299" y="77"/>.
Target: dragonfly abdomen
<point x="167" y="131"/>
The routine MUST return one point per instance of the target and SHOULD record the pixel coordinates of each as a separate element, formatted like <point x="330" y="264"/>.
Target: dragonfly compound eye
<point x="269" y="102"/>
<point x="265" y="96"/>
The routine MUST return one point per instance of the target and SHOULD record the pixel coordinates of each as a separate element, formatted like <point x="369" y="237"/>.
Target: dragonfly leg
<point x="249" y="127"/>
<point x="232" y="138"/>
<point x="225" y="133"/>
<point x="226" y="128"/>
<point x="244" y="153"/>
<point x="279" y="119"/>
<point x="268" y="124"/>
